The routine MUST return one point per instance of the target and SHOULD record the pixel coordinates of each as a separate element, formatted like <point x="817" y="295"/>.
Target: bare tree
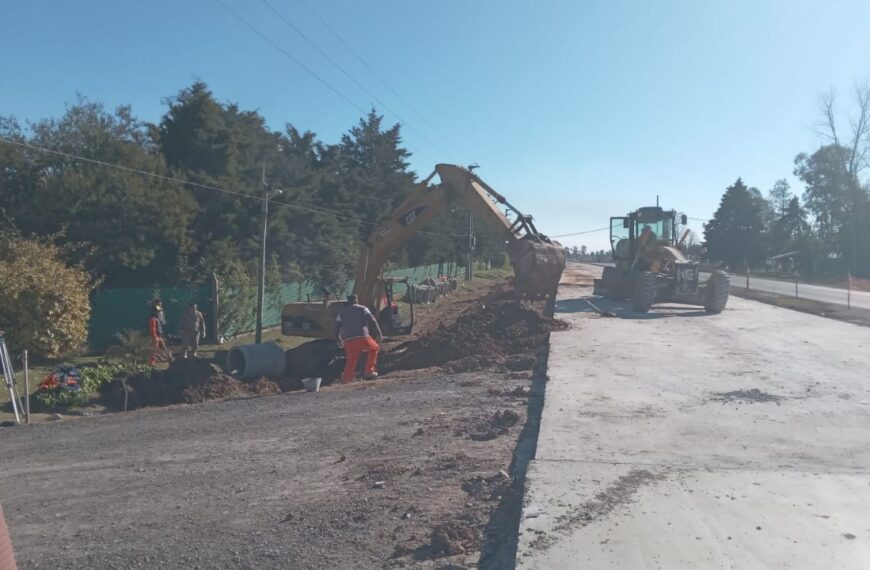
<point x="857" y="140"/>
<point x="855" y="152"/>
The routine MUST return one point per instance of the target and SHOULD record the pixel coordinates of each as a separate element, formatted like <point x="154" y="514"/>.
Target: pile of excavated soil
<point x="485" y="428"/>
<point x="223" y="386"/>
<point x="497" y="330"/>
<point x="184" y="382"/>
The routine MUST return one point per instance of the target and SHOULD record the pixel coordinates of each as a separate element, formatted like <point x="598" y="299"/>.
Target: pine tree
<point x="735" y="234"/>
<point x="780" y="196"/>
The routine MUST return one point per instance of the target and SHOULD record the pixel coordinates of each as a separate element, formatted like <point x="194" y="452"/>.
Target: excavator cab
<point x="388" y="313"/>
<point x="313" y="319"/>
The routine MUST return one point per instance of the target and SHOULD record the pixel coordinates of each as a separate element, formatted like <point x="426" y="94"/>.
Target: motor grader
<point x="538" y="262"/>
<point x="652" y="268"/>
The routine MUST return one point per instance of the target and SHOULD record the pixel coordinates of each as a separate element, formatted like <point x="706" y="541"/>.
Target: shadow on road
<point x="501" y="537"/>
<point x="623" y="310"/>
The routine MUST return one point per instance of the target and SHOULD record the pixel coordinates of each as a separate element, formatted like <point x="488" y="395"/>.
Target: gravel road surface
<point x="351" y="477"/>
<point x="421" y="468"/>
<point x="684" y="440"/>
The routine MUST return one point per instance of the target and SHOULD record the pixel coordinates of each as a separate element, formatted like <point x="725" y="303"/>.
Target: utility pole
<point x="469" y="272"/>
<point x="268" y="194"/>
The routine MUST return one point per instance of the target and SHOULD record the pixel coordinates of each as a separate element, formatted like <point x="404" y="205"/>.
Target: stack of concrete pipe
<point x="430" y="290"/>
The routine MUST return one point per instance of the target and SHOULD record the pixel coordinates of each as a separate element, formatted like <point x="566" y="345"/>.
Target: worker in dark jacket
<point x="192" y="329"/>
<point x="353" y="331"/>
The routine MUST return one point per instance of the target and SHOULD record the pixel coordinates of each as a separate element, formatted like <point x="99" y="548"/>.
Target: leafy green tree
<point x="855" y="238"/>
<point x="136" y="225"/>
<point x="794" y="220"/>
<point x="148" y="230"/>
<point x="44" y="301"/>
<point x="790" y="227"/>
<point x="735" y="235"/>
<point x="375" y="168"/>
<point x="830" y="190"/>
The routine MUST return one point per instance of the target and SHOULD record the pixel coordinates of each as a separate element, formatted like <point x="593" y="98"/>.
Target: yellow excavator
<point x="538" y="262"/>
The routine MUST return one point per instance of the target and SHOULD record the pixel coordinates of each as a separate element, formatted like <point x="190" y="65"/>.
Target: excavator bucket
<point x="538" y="267"/>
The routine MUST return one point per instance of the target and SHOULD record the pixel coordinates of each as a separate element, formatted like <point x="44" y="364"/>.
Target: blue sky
<point x="576" y="110"/>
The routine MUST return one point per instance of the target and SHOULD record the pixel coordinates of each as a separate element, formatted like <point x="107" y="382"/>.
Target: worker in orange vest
<point x="159" y="348"/>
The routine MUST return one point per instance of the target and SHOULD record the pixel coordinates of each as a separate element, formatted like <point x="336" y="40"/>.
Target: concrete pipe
<point x="250" y="361"/>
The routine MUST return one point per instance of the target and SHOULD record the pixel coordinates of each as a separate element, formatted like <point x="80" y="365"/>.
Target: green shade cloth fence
<point x="114" y="310"/>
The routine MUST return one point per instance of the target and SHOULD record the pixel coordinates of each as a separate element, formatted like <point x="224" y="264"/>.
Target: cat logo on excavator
<point x="410" y="217"/>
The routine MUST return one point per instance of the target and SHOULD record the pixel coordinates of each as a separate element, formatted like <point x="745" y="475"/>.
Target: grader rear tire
<point x="644" y="295"/>
<point x="718" y="289"/>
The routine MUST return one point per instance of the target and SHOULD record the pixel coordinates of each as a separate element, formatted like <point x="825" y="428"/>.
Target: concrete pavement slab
<point x="670" y="410"/>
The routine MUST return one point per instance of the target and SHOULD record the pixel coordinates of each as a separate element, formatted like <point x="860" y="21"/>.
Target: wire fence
<point x="848" y="290"/>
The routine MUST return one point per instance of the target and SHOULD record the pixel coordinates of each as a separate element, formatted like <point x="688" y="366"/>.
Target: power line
<point x="607" y="228"/>
<point x="362" y="60"/>
<point x="298" y="62"/>
<point x="345" y="72"/>
<point x="290" y="56"/>
<point x="583" y="232"/>
<point x="165" y="178"/>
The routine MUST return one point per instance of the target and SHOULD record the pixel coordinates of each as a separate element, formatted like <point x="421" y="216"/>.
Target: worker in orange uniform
<point x="159" y="348"/>
<point x="353" y="327"/>
<point x="7" y="558"/>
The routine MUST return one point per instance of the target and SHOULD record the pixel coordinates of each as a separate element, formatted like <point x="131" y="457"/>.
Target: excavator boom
<point x="538" y="262"/>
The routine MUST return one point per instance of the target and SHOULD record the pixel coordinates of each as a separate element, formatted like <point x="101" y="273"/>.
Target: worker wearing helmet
<point x="156" y="330"/>
<point x="353" y="327"/>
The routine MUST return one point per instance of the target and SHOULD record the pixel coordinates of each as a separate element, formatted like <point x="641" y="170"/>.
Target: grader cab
<point x="652" y="268"/>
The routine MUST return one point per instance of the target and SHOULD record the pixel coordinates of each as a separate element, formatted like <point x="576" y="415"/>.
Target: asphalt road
<point x="815" y="292"/>
<point x="682" y="440"/>
<point x="833" y="295"/>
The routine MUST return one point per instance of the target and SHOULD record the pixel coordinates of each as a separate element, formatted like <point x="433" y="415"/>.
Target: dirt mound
<point x="185" y="381"/>
<point x="223" y="386"/>
<point x="485" y="334"/>
<point x="454" y="538"/>
<point x="218" y="386"/>
<point x="485" y="428"/>
<point x="491" y="488"/>
<point x="472" y="363"/>
<point x="265" y="387"/>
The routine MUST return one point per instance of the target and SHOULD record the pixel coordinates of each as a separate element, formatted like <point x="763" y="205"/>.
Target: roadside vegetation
<point x="824" y="232"/>
<point x="187" y="203"/>
<point x="127" y="359"/>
